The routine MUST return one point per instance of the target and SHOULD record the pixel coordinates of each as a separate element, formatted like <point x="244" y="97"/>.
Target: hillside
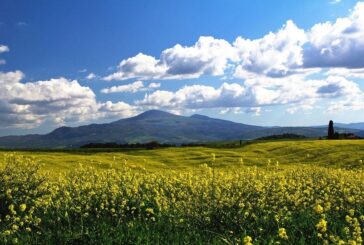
<point x="351" y="125"/>
<point x="158" y="126"/>
<point x="326" y="153"/>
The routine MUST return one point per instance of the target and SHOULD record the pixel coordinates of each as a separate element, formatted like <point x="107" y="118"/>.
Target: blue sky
<point x="209" y="57"/>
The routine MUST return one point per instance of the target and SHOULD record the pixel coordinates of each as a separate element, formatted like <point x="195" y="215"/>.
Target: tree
<point x="331" y="131"/>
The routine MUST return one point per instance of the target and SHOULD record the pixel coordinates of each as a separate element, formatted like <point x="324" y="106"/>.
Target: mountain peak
<point x="198" y="116"/>
<point x="154" y="114"/>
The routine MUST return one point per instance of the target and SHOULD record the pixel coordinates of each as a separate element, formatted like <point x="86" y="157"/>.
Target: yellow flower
<point x="248" y="240"/>
<point x="213" y="156"/>
<point x="322" y="225"/>
<point x="23" y="207"/>
<point x="15" y="227"/>
<point x="319" y="209"/>
<point x="282" y="233"/>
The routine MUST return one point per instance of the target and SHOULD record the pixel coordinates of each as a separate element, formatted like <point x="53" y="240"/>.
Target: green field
<point x="277" y="192"/>
<point x="337" y="153"/>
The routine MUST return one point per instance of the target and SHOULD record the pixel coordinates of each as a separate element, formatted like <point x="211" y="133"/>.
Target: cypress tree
<point x="331" y="131"/>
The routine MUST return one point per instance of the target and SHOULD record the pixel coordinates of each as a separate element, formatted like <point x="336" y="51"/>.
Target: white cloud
<point x="288" y="51"/>
<point x="253" y="94"/>
<point x="347" y="73"/>
<point x="209" y="56"/>
<point x="131" y="88"/>
<point x="335" y="1"/>
<point x="4" y="49"/>
<point x="338" y="44"/>
<point x="354" y="103"/>
<point x="91" y="76"/>
<point x="137" y="86"/>
<point x="56" y="100"/>
<point x="140" y="66"/>
<point x="116" y="110"/>
<point x="274" y="55"/>
<point x="154" y="85"/>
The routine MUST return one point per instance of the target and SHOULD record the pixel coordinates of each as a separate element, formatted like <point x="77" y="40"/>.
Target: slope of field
<point x="336" y="153"/>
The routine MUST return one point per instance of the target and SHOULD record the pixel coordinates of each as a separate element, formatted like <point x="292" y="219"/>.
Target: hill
<point x="360" y="133"/>
<point x="351" y="125"/>
<point x="154" y="125"/>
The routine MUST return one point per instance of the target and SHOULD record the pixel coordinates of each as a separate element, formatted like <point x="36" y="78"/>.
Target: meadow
<point x="268" y="192"/>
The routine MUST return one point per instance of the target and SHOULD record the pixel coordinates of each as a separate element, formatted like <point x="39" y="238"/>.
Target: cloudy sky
<point x="256" y="62"/>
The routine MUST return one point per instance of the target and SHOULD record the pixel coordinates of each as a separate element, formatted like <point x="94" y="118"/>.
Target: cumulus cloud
<point x="338" y="44"/>
<point x="131" y="88"/>
<point x="254" y="94"/>
<point x="208" y="56"/>
<point x="140" y="66"/>
<point x="137" y="86"/>
<point x="274" y="55"/>
<point x="279" y="68"/>
<point x="285" y="52"/>
<point x="57" y="100"/>
<point x="353" y="103"/>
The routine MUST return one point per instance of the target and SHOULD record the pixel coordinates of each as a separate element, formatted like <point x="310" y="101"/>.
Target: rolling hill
<point x="351" y="125"/>
<point x="155" y="125"/>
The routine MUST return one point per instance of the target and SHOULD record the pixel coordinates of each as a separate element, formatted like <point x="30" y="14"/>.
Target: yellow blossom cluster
<point x="204" y="204"/>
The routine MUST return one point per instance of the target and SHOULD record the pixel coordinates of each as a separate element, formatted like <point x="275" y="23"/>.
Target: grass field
<point x="287" y="192"/>
<point x="340" y="153"/>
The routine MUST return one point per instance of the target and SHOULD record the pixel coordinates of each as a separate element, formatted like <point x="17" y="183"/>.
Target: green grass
<point x="336" y="153"/>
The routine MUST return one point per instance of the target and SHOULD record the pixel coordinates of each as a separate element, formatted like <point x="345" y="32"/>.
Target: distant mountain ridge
<point x="155" y="125"/>
<point x="359" y="125"/>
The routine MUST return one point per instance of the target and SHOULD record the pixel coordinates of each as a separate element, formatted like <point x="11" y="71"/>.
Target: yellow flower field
<point x="206" y="204"/>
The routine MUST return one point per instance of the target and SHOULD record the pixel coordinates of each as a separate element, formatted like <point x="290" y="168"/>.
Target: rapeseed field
<point x="270" y="203"/>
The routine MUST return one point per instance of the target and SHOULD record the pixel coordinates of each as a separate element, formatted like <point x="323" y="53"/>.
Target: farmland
<point x="289" y="192"/>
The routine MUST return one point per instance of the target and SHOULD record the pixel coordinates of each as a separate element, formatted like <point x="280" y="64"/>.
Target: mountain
<point x="359" y="125"/>
<point x="360" y="134"/>
<point x="155" y="125"/>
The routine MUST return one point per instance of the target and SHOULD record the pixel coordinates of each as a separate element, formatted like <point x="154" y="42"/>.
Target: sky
<point x="270" y="63"/>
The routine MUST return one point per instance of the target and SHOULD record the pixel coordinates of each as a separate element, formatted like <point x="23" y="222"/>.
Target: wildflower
<point x="23" y="207"/>
<point x="319" y="209"/>
<point x="213" y="157"/>
<point x="247" y="240"/>
<point x="322" y="225"/>
<point x="282" y="233"/>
